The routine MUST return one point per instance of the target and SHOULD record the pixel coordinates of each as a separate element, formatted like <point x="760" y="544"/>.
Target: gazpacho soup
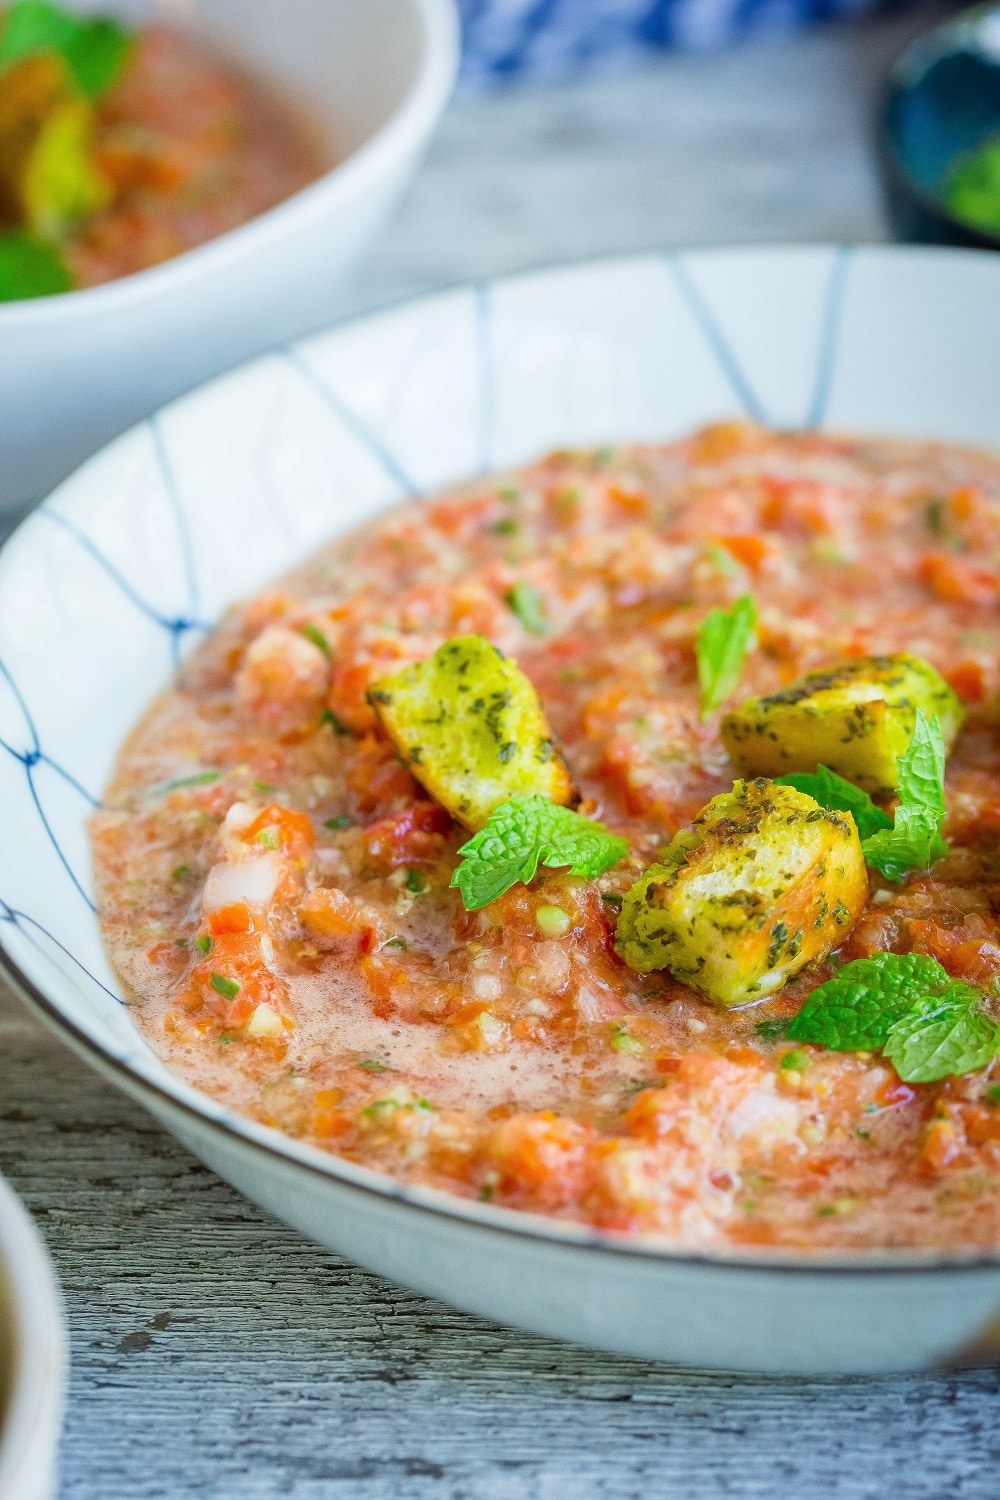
<point x="616" y="840"/>
<point x="120" y="149"/>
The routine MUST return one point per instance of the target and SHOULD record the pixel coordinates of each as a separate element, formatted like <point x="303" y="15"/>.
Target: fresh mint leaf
<point x="943" y="1038"/>
<point x="914" y="841"/>
<point x="921" y="770"/>
<point x="832" y="791"/>
<point x="526" y="602"/>
<point x="30" y="268"/>
<point x="97" y="55"/>
<point x="856" y="1011"/>
<point x="32" y="26"/>
<point x="724" y="638"/>
<point x="94" y="48"/>
<point x="928" y="1025"/>
<point x="527" y="832"/>
<point x="911" y="840"/>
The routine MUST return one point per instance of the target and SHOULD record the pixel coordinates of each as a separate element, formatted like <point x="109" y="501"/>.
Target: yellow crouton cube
<point x="764" y="882"/>
<point x="857" y="718"/>
<point x="468" y="724"/>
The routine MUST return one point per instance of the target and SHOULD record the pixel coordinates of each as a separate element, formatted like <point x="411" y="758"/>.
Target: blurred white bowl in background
<point x="32" y="1358"/>
<point x="78" y="368"/>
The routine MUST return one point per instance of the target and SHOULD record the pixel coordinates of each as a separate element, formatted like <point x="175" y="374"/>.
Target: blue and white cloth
<point x="551" y="38"/>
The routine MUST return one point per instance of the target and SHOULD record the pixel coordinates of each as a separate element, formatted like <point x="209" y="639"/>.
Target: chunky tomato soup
<point x="275" y="877"/>
<point x="120" y="149"/>
<point x="192" y="148"/>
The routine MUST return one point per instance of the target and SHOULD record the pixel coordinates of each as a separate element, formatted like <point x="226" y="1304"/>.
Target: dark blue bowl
<point x="942" y="99"/>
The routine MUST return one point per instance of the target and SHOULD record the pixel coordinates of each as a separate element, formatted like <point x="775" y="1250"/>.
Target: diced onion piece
<point x="253" y="881"/>
<point x="264" y="1021"/>
<point x="239" y="816"/>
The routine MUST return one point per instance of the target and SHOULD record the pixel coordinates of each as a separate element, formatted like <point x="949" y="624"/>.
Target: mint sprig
<point x="527" y="832"/>
<point x="943" y="1038"/>
<point x="911" y="839"/>
<point x="914" y="841"/>
<point x="724" y="638"/>
<point x="854" y="1011"/>
<point x="832" y="791"/>
<point x="30" y="267"/>
<point x="929" y="1025"/>
<point x="93" y="47"/>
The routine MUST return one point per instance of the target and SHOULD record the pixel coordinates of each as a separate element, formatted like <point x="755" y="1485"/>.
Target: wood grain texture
<point x="218" y="1354"/>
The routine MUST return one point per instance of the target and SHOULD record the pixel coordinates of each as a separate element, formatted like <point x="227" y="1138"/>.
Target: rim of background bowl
<point x="38" y="1375"/>
<point x="412" y="119"/>
<point x="894" y="84"/>
<point x="433" y="1202"/>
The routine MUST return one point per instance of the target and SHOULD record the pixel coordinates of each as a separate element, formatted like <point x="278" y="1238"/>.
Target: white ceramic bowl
<point x="77" y="369"/>
<point x="119" y="570"/>
<point x="32" y="1358"/>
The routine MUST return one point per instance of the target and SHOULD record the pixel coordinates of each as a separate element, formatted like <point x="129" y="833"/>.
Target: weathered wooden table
<point x="216" y="1353"/>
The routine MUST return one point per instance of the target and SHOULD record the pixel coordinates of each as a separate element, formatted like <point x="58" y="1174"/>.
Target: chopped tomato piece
<point x="969" y="681"/>
<point x="541" y="1157"/>
<point x="291" y="833"/>
<point x="957" y="581"/>
<point x="407" y="837"/>
<point x="328" y="913"/>
<point x="749" y="548"/>
<point x="233" y="918"/>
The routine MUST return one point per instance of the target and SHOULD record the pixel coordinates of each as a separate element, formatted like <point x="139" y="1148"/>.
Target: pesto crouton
<point x="764" y="882"/>
<point x="857" y="718"/>
<point x="468" y="724"/>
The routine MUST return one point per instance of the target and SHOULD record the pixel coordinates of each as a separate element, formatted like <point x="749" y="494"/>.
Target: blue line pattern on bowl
<point x="21" y="920"/>
<point x="30" y="759"/>
<point x="350" y="418"/>
<point x="176" y="626"/>
<point x="183" y="529"/>
<point x="741" y="385"/>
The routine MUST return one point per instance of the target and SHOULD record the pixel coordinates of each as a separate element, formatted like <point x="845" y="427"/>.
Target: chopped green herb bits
<point x="203" y="778"/>
<point x="227" y="988"/>
<point x="526" y="602"/>
<point x="771" y="1031"/>
<point x="313" y="633"/>
<point x="30" y="267"/>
